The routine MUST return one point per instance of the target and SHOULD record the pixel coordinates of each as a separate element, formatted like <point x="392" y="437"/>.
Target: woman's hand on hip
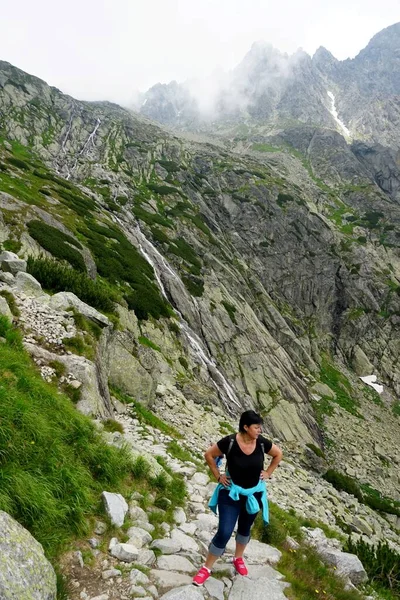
<point x="224" y="480"/>
<point x="264" y="475"/>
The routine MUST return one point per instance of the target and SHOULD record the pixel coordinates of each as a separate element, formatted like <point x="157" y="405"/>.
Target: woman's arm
<point x="211" y="454"/>
<point x="276" y="454"/>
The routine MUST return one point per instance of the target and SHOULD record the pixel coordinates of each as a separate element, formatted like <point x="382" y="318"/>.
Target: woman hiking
<point x="241" y="491"/>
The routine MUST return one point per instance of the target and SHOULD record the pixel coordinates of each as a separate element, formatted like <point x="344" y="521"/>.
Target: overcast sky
<point x="107" y="49"/>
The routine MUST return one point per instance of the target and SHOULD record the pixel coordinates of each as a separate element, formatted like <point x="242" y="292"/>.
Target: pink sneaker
<point x="201" y="576"/>
<point x="240" y="567"/>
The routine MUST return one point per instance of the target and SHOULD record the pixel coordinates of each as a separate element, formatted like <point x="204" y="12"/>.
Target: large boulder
<point x="11" y="263"/>
<point x="347" y="565"/>
<point x="25" y="572"/>
<point x="27" y="284"/>
<point x="65" y="300"/>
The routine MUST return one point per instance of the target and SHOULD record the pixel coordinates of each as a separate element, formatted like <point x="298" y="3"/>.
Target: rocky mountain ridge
<point x="269" y="90"/>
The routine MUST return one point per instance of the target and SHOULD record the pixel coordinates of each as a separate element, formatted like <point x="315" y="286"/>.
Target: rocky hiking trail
<point x="149" y="568"/>
<point x="170" y="562"/>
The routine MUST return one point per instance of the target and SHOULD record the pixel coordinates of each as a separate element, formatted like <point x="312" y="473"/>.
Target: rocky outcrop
<point x="24" y="570"/>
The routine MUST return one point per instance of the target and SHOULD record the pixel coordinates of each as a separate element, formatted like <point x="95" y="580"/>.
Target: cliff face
<point x="265" y="279"/>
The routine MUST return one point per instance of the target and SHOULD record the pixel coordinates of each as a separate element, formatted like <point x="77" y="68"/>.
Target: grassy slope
<point x="53" y="463"/>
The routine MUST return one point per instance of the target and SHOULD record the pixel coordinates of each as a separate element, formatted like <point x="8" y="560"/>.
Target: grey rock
<point x="347" y="565"/>
<point x="187" y="592"/>
<point x="169" y="579"/>
<point x="256" y="589"/>
<point x="64" y="300"/>
<point x="5" y="309"/>
<point x="167" y="545"/>
<point x="146" y="558"/>
<point x="215" y="588"/>
<point x="137" y="577"/>
<point x="173" y="562"/>
<point x="138" y="537"/>
<point x="7" y="278"/>
<point x="11" y="263"/>
<point x="125" y="552"/>
<point x="24" y="282"/>
<point x="116" y="507"/>
<point x="109" y="573"/>
<point x="25" y="572"/>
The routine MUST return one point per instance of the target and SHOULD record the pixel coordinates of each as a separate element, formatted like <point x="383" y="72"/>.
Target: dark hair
<point x="249" y="417"/>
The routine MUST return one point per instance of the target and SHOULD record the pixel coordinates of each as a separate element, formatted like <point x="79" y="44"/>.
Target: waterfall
<point x="152" y="255"/>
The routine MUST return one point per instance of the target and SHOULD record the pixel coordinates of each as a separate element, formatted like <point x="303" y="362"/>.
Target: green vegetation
<point x="54" y="464"/>
<point x="57" y="243"/>
<point x="230" y="309"/>
<point x="364" y="492"/>
<point x="169" y="165"/>
<point x="183" y="362"/>
<point x="151" y="218"/>
<point x="344" y="483"/>
<point x="145" y="416"/>
<point x="58" y="367"/>
<point x="79" y="344"/>
<point x="194" y="284"/>
<point x="264" y="148"/>
<point x="112" y="426"/>
<point x="340" y="385"/>
<point x="80" y="204"/>
<point x="163" y="190"/>
<point x="376" y="501"/>
<point x="181" y="248"/>
<point x="317" y="451"/>
<point x="146" y="342"/>
<point x="59" y="278"/>
<point x="176" y="450"/>
<point x="396" y="408"/>
<point x="119" y="262"/>
<point x="283" y="199"/>
<point x="381" y="563"/>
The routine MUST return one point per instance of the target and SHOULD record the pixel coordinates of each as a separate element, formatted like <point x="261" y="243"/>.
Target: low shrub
<point x="146" y="301"/>
<point x="57" y="243"/>
<point x="195" y="285"/>
<point x="163" y="190"/>
<point x="17" y="162"/>
<point x="381" y="563"/>
<point x="183" y="362"/>
<point x="317" y="451"/>
<point x="230" y="309"/>
<point x="59" y="278"/>
<point x="112" y="426"/>
<point x="343" y="483"/>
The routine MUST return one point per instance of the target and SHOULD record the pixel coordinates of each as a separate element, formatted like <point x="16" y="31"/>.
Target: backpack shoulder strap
<point x="231" y="441"/>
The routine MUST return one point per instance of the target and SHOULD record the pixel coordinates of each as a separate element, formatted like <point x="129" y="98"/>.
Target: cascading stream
<point x="223" y="388"/>
<point x="85" y="148"/>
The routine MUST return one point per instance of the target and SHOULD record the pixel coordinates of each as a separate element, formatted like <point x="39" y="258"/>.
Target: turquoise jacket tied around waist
<point x="252" y="505"/>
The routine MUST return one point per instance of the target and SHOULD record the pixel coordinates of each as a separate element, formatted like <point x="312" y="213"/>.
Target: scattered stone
<point x="125" y="552"/>
<point x="116" y="507"/>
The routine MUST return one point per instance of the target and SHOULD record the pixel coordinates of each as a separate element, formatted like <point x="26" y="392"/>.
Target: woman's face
<point x="253" y="431"/>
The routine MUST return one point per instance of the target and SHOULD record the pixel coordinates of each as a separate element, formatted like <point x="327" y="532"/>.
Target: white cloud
<point x="107" y="49"/>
